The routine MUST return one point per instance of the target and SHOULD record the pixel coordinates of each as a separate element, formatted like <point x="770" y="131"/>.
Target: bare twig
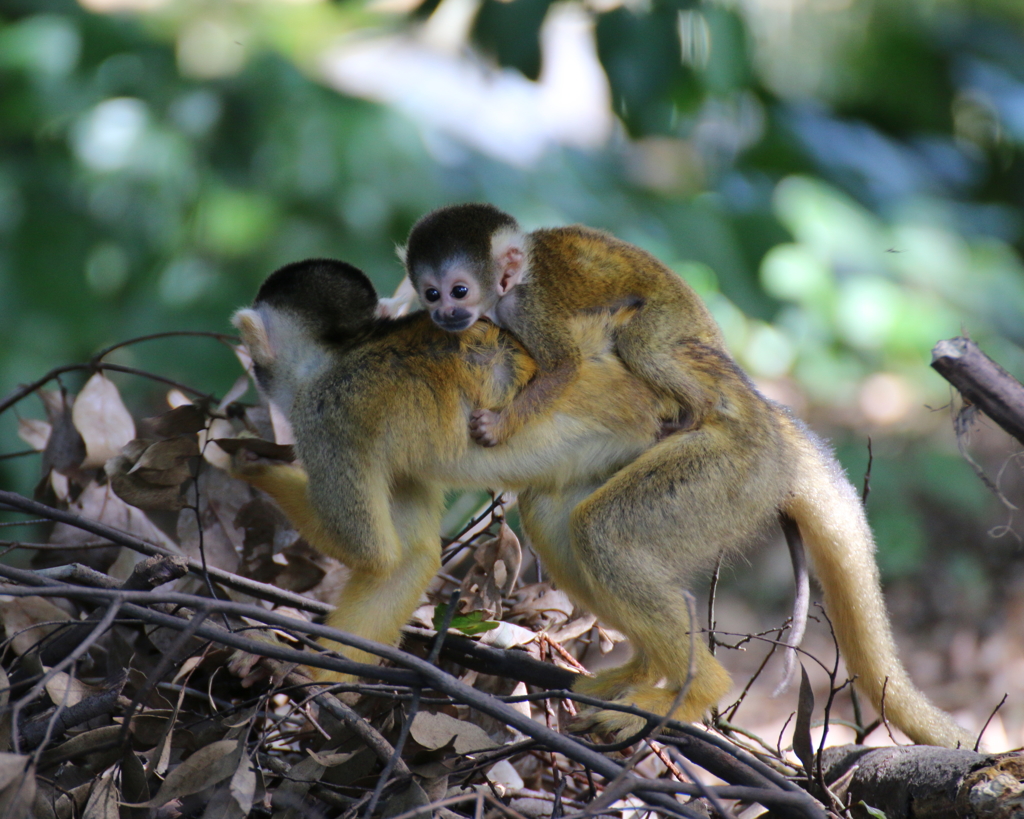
<point x="264" y="591"/>
<point x="418" y="671"/>
<point x="98" y="630"/>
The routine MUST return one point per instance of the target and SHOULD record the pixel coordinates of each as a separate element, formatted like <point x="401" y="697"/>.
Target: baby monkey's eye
<point x="431" y="294"/>
<point x="460" y="291"/>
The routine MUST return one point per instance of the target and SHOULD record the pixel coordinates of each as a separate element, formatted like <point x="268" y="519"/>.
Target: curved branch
<point x="418" y="672"/>
<point x="234" y="581"/>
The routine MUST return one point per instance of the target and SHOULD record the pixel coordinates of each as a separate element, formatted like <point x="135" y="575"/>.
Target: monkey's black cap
<point x="334" y="298"/>
<point x="456" y="230"/>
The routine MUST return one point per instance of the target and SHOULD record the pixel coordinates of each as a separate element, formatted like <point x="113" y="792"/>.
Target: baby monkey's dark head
<point x="462" y="259"/>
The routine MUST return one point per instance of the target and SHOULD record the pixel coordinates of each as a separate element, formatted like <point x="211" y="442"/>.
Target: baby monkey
<point x="473" y="261"/>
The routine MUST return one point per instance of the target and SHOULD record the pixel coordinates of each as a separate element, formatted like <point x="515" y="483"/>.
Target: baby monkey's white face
<point x="453" y="296"/>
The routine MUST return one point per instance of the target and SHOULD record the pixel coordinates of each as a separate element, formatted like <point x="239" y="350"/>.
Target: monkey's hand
<point x="401" y="303"/>
<point x="486" y="427"/>
<point x="392" y="308"/>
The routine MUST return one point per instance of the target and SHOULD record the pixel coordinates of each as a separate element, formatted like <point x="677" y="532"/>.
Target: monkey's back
<point x="403" y="395"/>
<point x="398" y="390"/>
<point x="576" y="268"/>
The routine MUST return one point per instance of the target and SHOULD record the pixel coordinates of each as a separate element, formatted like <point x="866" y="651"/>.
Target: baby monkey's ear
<point x="509" y="255"/>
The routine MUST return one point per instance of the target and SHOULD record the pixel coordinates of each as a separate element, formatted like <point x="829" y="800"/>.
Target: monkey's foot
<point x="485" y="427"/>
<point x="325" y="676"/>
<point x="648" y="698"/>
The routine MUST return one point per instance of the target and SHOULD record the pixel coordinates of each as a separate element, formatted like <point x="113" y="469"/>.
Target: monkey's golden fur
<point x="621" y="520"/>
<point x="560" y="273"/>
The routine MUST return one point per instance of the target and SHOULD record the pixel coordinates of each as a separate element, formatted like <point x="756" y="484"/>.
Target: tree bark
<point x="982" y="382"/>
<point x="921" y="782"/>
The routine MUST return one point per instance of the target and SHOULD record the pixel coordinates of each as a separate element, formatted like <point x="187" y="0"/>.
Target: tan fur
<point x="623" y="522"/>
<point x="534" y="284"/>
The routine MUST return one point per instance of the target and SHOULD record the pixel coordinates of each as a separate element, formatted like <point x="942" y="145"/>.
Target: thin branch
<point x="25" y="390"/>
<point x="418" y="670"/>
<point x="234" y="581"/>
<point x="225" y="337"/>
<point x="22" y="454"/>
<point x="99" y="629"/>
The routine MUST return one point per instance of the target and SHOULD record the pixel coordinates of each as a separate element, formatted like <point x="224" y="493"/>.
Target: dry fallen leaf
<point x="166" y="461"/>
<point x="103" y="801"/>
<point x="435" y="731"/>
<point x="219" y="428"/>
<point x="209" y="765"/>
<point x="17" y="798"/>
<point x="289" y="797"/>
<point x="102" y="505"/>
<point x="238" y="389"/>
<point x="243" y="784"/>
<point x="28" y="619"/>
<point x="67" y="690"/>
<point x="150" y="474"/>
<point x="494" y="574"/>
<point x="576" y="627"/>
<point x="12" y="766"/>
<point x="65" y="448"/>
<point x="541" y="607"/>
<point x="189" y="418"/>
<point x="507" y="635"/>
<point x="34" y="432"/>
<point x="104" y="422"/>
<point x="257" y="446"/>
<point x="220" y="499"/>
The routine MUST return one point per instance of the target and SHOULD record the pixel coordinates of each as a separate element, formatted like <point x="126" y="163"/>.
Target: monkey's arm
<point x="380" y="594"/>
<point x="549" y="341"/>
<point x="490" y="428"/>
<point x="286" y="484"/>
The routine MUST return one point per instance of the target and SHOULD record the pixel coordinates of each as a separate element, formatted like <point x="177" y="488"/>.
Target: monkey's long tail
<point x="842" y="550"/>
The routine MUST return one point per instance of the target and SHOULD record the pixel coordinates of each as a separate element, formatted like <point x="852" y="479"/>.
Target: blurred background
<point x="841" y="180"/>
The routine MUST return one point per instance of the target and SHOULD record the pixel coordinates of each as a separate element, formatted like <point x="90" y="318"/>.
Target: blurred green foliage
<point x="841" y="181"/>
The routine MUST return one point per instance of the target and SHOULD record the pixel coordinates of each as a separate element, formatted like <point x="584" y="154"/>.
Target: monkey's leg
<point x="640" y="539"/>
<point x="387" y="580"/>
<point x="378" y="600"/>
<point x="652" y="346"/>
<point x="397" y="554"/>
<point x="376" y="606"/>
<point x="600" y="554"/>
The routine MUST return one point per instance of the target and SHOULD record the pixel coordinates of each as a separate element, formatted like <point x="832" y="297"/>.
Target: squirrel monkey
<point x="467" y="262"/>
<point x="622" y="517"/>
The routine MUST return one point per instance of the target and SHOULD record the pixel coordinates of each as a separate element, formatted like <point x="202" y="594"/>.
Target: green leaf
<point x="642" y="55"/>
<point x="874" y="812"/>
<point x="469" y="624"/>
<point x="510" y="31"/>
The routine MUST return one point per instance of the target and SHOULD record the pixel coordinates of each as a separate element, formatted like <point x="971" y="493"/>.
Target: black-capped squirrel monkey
<point x="622" y="518"/>
<point x="472" y="261"/>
